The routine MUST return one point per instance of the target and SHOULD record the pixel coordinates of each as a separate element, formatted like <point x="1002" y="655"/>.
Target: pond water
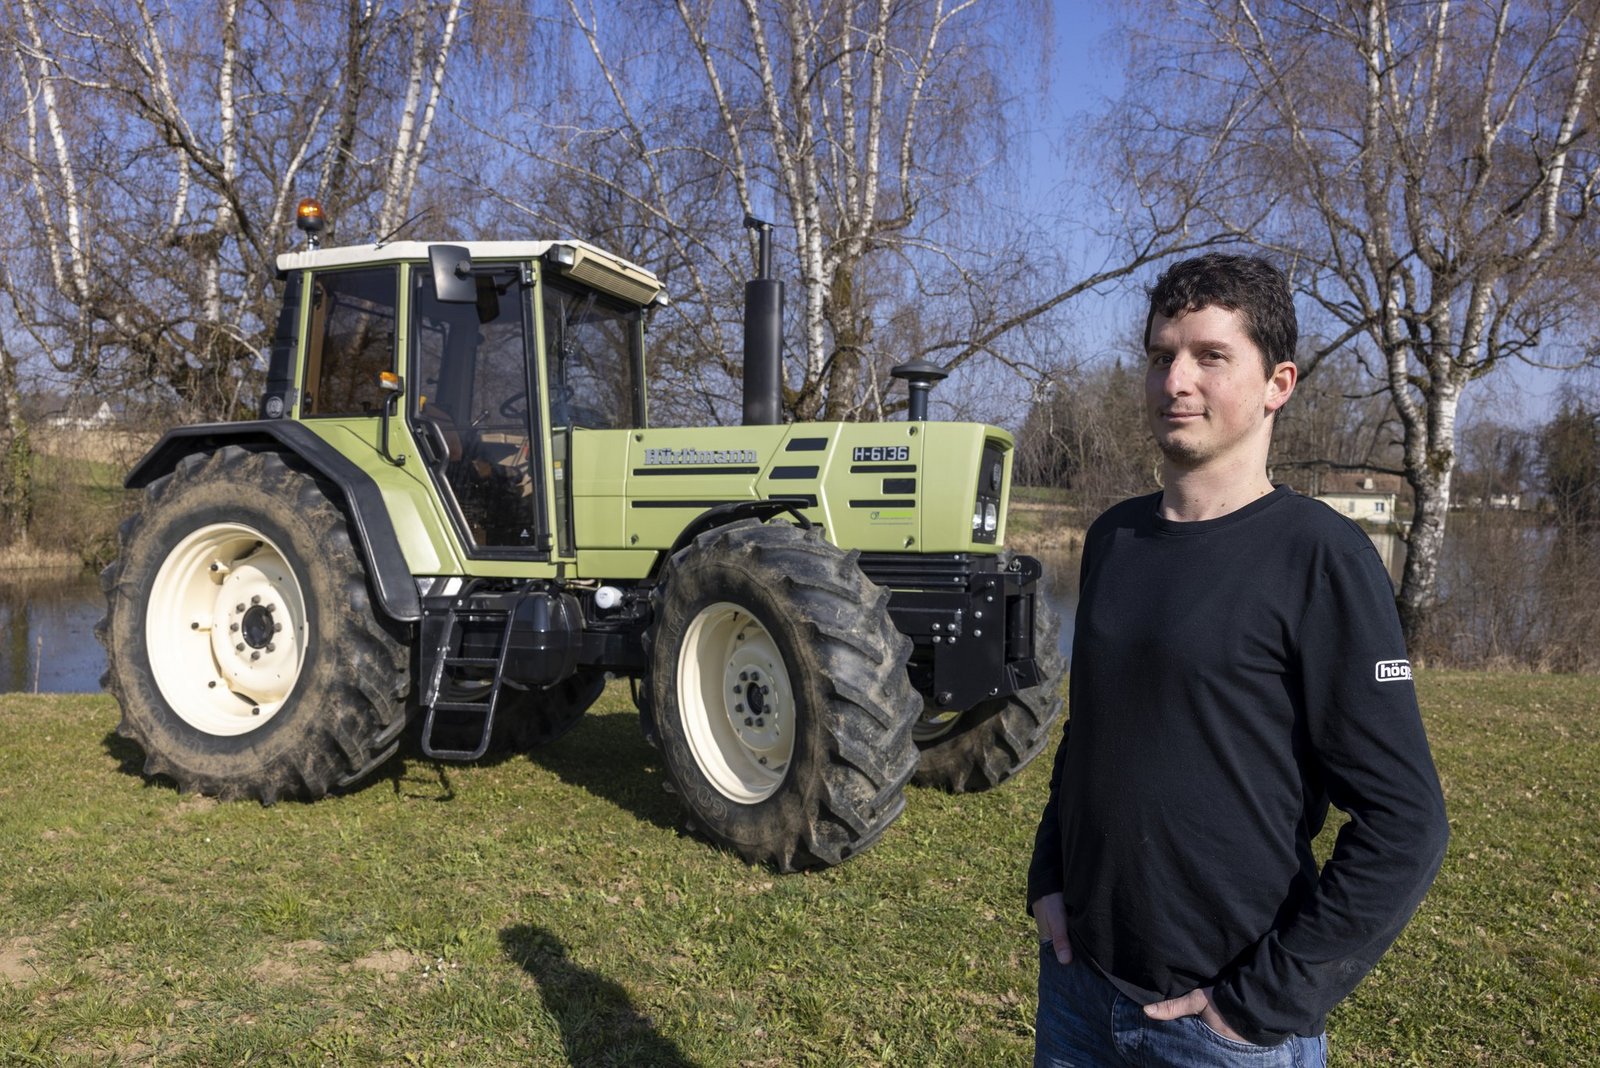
<point x="47" y="642"/>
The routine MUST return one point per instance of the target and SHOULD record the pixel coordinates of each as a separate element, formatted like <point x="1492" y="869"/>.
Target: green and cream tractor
<point x="454" y="515"/>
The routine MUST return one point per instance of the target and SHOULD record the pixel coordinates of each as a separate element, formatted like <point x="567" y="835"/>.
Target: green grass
<point x="1056" y="495"/>
<point x="552" y="910"/>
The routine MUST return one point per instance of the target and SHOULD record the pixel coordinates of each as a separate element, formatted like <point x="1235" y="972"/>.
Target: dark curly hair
<point x="1249" y="285"/>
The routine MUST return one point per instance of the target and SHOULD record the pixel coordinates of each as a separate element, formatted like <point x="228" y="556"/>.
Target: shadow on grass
<point x="604" y="754"/>
<point x="128" y="755"/>
<point x="599" y="1023"/>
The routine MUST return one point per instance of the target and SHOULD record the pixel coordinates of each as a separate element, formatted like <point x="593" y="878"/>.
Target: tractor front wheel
<point x="240" y="635"/>
<point x="780" y="695"/>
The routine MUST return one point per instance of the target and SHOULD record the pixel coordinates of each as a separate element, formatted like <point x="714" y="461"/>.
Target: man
<point x="1237" y="666"/>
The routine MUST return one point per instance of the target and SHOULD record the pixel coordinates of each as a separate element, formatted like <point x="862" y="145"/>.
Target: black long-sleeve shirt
<point x="1231" y="678"/>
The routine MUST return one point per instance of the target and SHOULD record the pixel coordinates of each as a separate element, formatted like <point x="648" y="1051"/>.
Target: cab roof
<point x="594" y="266"/>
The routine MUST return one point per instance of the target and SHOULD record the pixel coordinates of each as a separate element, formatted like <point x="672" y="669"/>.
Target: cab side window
<point x="350" y="341"/>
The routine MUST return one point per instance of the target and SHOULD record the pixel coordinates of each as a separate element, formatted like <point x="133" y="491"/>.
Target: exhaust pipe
<point x="763" y="336"/>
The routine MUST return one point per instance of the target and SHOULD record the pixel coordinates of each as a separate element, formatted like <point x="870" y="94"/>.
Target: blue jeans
<point x="1085" y="1022"/>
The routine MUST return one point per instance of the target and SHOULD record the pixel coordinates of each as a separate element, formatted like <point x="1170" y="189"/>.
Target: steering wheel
<point x="515" y="406"/>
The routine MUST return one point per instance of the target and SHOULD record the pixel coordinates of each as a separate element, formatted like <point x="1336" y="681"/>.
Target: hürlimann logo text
<point x="699" y="456"/>
<point x="1393" y="670"/>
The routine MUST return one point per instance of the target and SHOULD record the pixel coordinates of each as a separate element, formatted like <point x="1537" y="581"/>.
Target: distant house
<point x="1366" y="498"/>
<point x="102" y="417"/>
<point x="1495" y="502"/>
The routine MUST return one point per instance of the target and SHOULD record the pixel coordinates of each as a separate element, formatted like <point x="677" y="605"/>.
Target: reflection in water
<point x="47" y="644"/>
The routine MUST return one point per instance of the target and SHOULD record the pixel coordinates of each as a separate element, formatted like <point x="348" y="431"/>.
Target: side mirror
<point x="392" y="387"/>
<point x="452" y="274"/>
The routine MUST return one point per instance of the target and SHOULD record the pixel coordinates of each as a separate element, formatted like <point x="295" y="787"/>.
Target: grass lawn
<point x="552" y="911"/>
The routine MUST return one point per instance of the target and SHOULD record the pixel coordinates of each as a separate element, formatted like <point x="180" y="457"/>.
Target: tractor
<point x="453" y="515"/>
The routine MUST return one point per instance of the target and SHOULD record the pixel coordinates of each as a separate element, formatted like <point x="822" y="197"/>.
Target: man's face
<point x="1206" y="391"/>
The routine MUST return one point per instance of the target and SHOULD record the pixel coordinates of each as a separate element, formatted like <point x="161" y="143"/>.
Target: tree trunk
<point x="1430" y="464"/>
<point x="16" y="458"/>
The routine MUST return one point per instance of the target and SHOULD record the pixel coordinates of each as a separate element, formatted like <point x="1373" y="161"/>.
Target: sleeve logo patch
<point x="1394" y="671"/>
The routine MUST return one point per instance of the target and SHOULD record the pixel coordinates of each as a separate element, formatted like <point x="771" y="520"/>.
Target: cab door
<point x="471" y="411"/>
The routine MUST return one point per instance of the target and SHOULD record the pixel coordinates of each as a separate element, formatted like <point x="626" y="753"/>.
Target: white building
<point x="1361" y="499"/>
<point x="102" y="417"/>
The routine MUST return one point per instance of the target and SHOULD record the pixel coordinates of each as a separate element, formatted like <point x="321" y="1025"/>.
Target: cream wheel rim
<point x="226" y="629"/>
<point x="737" y="704"/>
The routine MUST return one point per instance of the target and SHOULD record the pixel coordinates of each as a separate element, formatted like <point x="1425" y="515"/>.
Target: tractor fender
<point x="363" y="502"/>
<point x="723" y="514"/>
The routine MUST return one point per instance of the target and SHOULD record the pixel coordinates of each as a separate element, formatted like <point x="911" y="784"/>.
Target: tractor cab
<point x="480" y="370"/>
<point x="490" y="355"/>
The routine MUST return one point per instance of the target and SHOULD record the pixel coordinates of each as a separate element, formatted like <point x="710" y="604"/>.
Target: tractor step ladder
<point x="454" y="674"/>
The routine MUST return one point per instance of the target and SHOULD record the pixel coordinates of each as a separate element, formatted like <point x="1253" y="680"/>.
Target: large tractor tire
<point x="241" y="638"/>
<point x="992" y="741"/>
<point x="780" y="695"/>
<point x="529" y="719"/>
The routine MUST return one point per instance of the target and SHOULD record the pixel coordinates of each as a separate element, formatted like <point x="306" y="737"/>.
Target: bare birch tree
<point x="164" y="148"/>
<point x="873" y="132"/>
<point x="1432" y="172"/>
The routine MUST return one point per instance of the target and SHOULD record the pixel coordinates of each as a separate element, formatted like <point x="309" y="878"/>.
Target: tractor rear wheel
<point x="780" y="695"/>
<point x="241" y="639"/>
<point x="992" y="741"/>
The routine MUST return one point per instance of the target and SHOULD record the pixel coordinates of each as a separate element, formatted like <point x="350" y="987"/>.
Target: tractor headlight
<point x="991" y="491"/>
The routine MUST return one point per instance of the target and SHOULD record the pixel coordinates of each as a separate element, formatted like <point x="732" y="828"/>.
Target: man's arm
<point x="1368" y="746"/>
<point x="1046" y="870"/>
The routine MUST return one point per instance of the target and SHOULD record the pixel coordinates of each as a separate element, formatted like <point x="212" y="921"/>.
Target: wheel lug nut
<point x="272" y="608"/>
<point x="747" y="722"/>
<point x="738" y="708"/>
<point x="271" y="648"/>
<point x="760" y="722"/>
<point x="744" y="676"/>
<point x="765" y="690"/>
<point x="276" y="627"/>
<point x="239" y="648"/>
<point x="256" y="599"/>
<point x="737" y="688"/>
<point x="256" y="655"/>
<point x="233" y="626"/>
<point x="239" y="607"/>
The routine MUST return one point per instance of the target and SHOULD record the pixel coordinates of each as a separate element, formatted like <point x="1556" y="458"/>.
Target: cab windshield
<point x="591" y="359"/>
